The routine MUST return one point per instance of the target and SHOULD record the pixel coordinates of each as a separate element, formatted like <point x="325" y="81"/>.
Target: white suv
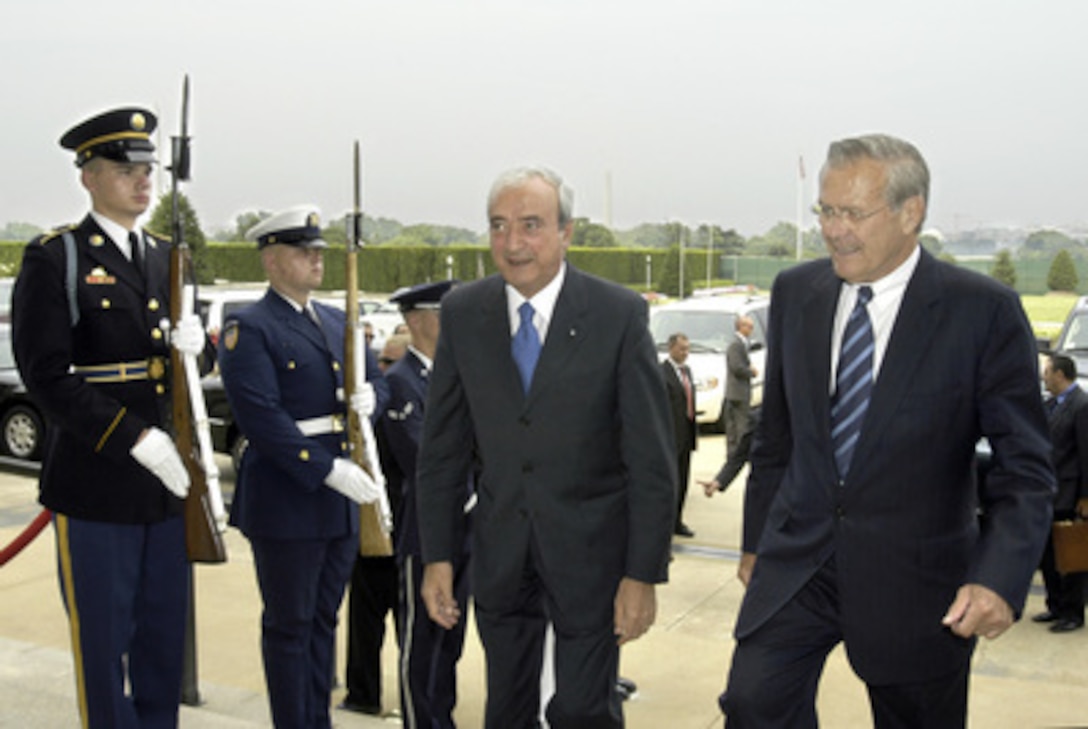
<point x="709" y="323"/>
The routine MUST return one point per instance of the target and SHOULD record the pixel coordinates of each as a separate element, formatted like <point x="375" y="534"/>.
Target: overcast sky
<point x="696" y="111"/>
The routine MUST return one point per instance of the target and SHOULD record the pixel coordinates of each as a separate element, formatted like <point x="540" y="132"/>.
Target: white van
<point x="709" y="323"/>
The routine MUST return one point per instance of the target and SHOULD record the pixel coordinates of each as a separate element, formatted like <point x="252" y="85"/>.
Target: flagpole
<point x="800" y="201"/>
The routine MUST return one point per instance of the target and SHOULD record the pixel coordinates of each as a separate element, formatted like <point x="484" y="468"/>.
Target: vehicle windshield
<point x="708" y="331"/>
<point x="1076" y="336"/>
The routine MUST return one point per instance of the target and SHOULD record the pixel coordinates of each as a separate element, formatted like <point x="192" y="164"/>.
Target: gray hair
<point x="520" y="175"/>
<point x="908" y="174"/>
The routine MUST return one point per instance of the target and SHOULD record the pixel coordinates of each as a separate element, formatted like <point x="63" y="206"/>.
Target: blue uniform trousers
<point x="302" y="582"/>
<point x="126" y="590"/>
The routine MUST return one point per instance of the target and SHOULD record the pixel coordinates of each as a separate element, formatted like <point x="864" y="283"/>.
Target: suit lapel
<point x="566" y="332"/>
<point x="817" y="324"/>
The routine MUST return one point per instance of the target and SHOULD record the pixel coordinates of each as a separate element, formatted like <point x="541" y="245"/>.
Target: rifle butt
<point x="203" y="542"/>
<point x="373" y="541"/>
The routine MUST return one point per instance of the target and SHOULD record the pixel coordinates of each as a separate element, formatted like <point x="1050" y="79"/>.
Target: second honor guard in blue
<point x="298" y="492"/>
<point x="87" y="316"/>
<point x="429" y="652"/>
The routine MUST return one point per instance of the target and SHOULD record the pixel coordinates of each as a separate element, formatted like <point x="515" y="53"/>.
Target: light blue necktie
<point x="853" y="382"/>
<point x="525" y="346"/>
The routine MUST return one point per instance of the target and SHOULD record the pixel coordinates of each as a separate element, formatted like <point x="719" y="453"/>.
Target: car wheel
<point x="237" y="450"/>
<point x="23" y="433"/>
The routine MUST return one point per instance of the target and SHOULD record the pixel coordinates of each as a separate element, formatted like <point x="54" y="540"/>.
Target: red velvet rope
<point x="25" y="537"/>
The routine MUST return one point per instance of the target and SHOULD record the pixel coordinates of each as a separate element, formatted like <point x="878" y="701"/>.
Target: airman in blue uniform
<point x="298" y="491"/>
<point x="90" y="337"/>
<point x="429" y="653"/>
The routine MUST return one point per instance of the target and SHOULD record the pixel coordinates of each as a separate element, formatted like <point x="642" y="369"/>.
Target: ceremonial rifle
<point x="375" y="520"/>
<point x="204" y="513"/>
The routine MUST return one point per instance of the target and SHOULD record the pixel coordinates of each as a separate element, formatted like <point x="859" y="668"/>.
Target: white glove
<point x="188" y="336"/>
<point x="352" y="481"/>
<point x="363" y="400"/>
<point x="156" y="453"/>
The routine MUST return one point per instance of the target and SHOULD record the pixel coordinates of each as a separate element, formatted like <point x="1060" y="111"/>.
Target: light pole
<point x="649" y="270"/>
<point x="449" y="268"/>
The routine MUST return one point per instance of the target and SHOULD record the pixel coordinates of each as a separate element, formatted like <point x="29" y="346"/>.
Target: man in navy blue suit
<point x="871" y="535"/>
<point x="576" y="487"/>
<point x="298" y="491"/>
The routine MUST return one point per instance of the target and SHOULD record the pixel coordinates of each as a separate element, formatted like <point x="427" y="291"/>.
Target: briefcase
<point x="1071" y="545"/>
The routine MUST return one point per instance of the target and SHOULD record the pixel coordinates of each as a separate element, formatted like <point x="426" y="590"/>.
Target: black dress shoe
<point x="1046" y="617"/>
<point x="1066" y="625"/>
<point x="683" y="530"/>
<point x="347" y="705"/>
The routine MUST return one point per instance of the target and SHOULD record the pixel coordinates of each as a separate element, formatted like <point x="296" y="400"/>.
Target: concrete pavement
<point x="1027" y="678"/>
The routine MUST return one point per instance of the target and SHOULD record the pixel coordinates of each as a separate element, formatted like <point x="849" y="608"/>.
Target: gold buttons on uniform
<point x="106" y="303"/>
<point x="160" y="389"/>
<point x="335" y="366"/>
<point x="291" y="364"/>
<point x="156" y="333"/>
<point x="153" y="305"/>
<point x="304" y="455"/>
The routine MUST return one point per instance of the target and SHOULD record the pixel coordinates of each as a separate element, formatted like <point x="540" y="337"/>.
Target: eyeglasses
<point x="827" y="213"/>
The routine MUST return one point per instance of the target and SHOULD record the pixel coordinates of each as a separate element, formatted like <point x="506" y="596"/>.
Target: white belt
<point x="321" y="425"/>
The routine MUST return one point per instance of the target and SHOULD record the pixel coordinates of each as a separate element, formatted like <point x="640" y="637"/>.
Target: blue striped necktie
<point x="853" y="382"/>
<point x="525" y="346"/>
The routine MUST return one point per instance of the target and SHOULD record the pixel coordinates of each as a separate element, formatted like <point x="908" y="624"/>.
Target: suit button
<point x="527" y="467"/>
<point x="840" y="513"/>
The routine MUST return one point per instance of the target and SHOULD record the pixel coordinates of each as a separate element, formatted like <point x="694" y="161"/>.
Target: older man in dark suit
<point x="576" y="492"/>
<point x="861" y="520"/>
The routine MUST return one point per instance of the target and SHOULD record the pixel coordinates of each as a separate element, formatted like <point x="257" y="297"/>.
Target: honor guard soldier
<point x="429" y="653"/>
<point x="298" y="491"/>
<point x="90" y="336"/>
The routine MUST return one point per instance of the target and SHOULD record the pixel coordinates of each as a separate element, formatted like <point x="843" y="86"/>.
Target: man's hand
<point x="437" y="594"/>
<point x="352" y="481"/>
<point x="745" y="566"/>
<point x="709" y="487"/>
<point x="978" y="610"/>
<point x="155" y="451"/>
<point x="635" y="609"/>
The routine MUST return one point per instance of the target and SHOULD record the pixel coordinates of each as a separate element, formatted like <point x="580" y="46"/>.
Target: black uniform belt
<point x="153" y="368"/>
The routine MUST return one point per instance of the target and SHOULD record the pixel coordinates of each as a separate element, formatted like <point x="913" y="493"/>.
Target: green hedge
<point x="387" y="268"/>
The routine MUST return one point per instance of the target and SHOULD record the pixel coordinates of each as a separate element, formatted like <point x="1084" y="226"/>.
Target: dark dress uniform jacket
<point x="278" y="368"/>
<point x="88" y="472"/>
<point x="903" y="528"/>
<point x="582" y="465"/>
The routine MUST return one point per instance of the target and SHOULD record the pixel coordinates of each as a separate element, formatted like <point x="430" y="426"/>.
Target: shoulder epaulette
<point x="56" y="232"/>
<point x="165" y="240"/>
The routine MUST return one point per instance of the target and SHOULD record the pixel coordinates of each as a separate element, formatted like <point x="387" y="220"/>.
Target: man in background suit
<point x="680" y="388"/>
<point x="576" y="489"/>
<point x="1067" y="413"/>
<point x="870" y="535"/>
<point x="739" y="419"/>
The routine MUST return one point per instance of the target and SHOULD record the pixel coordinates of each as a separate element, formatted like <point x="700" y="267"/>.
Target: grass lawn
<point x="1048" y="312"/>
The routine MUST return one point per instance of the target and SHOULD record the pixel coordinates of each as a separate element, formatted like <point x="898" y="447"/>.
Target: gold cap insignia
<point x="138" y="122"/>
<point x="313" y="220"/>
